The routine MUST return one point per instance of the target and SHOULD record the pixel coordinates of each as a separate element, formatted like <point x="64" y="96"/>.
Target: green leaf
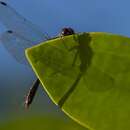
<point x="88" y="76"/>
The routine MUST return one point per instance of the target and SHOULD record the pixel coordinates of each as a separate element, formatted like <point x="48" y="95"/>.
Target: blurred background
<point x="51" y="16"/>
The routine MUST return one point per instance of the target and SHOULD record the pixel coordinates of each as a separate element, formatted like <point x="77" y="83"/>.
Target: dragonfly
<point x="21" y="34"/>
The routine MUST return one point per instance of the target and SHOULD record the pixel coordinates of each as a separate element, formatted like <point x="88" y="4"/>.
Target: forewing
<point x="22" y="34"/>
<point x="14" y="21"/>
<point x="15" y="45"/>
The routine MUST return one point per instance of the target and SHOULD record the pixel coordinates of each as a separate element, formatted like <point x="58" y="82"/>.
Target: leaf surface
<point x="88" y="76"/>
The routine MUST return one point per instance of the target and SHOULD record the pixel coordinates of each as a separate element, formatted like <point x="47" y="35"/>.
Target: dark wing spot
<point x="10" y="31"/>
<point x="3" y="3"/>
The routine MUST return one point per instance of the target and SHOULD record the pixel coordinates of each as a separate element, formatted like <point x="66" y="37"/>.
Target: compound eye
<point x="71" y="31"/>
<point x="64" y="30"/>
<point x="67" y="31"/>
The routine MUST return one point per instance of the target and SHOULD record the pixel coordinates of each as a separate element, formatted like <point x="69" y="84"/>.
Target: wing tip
<point x="3" y="3"/>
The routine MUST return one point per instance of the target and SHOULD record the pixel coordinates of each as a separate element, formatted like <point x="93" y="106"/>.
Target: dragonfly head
<point x="67" y="31"/>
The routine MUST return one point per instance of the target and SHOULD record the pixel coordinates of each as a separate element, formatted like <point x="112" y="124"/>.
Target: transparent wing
<point x="15" y="45"/>
<point x="14" y="21"/>
<point x="23" y="33"/>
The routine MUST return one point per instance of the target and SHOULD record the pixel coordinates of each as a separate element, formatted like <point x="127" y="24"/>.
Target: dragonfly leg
<point x="31" y="93"/>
